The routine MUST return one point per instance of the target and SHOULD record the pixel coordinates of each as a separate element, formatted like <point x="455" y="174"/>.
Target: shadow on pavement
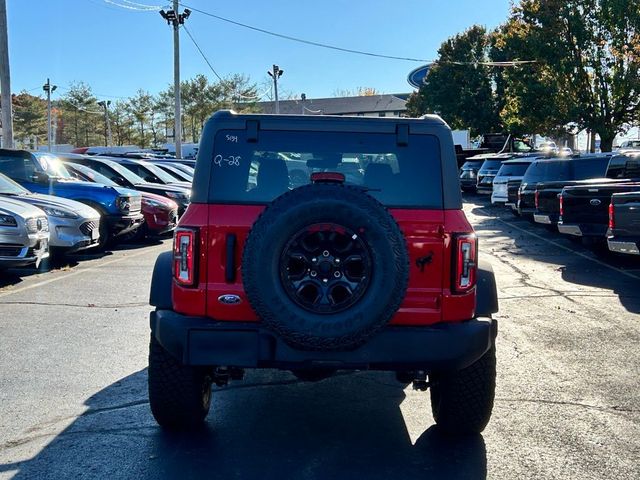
<point x="269" y="426"/>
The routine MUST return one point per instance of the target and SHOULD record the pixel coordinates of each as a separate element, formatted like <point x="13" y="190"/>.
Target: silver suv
<point x="73" y="225"/>
<point x="24" y="234"/>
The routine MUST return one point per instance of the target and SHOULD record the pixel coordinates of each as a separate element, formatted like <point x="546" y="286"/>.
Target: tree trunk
<point x="141" y="134"/>
<point x="606" y="141"/>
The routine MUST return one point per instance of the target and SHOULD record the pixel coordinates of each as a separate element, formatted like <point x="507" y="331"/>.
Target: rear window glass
<point x="591" y="168"/>
<point x="258" y="172"/>
<point x="472" y="165"/>
<point x="581" y="169"/>
<point x="491" y="165"/>
<point x="624" y="167"/>
<point x="513" y="169"/>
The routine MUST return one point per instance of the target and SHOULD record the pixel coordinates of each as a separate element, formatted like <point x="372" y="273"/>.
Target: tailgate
<point x="626" y="210"/>
<point x="582" y="205"/>
<point x="422" y="303"/>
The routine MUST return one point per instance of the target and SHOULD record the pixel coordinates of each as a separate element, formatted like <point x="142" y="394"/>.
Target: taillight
<point x="561" y="207"/>
<point x="466" y="262"/>
<point x="535" y="196"/>
<point x="184" y="256"/>
<point x="612" y="218"/>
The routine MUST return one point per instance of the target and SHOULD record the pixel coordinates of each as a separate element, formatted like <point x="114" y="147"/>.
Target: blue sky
<point x="117" y="51"/>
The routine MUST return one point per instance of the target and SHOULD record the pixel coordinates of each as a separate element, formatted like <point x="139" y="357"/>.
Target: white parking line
<point x="73" y="273"/>
<point x="595" y="260"/>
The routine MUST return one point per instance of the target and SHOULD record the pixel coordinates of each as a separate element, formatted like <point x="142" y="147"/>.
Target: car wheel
<point x="325" y="267"/>
<point x="179" y="395"/>
<point x="462" y="401"/>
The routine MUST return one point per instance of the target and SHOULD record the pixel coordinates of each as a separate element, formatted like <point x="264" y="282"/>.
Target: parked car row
<point x="593" y="198"/>
<point x="64" y="203"/>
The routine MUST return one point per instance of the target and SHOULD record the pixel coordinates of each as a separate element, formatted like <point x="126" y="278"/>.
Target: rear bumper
<point x="582" y="229"/>
<point x="629" y="246"/>
<point x="468" y="183"/>
<point x="546" y="219"/>
<point x="203" y="341"/>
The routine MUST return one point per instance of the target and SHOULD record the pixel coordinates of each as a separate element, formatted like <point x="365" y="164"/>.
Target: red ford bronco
<point x="315" y="244"/>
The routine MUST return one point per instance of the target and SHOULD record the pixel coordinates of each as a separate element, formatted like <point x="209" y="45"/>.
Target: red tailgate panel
<point x="423" y="232"/>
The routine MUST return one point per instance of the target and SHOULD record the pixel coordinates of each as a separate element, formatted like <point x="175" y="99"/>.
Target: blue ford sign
<point x="416" y="77"/>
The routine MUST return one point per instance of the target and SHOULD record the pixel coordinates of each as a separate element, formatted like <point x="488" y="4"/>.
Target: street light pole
<point x="47" y="87"/>
<point x="5" y="80"/>
<point x="176" y="19"/>
<point x="276" y="74"/>
<point x="107" y="124"/>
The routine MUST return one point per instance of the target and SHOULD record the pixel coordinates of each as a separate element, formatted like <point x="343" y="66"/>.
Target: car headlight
<point x="153" y="203"/>
<point x="178" y="196"/>
<point x="123" y="204"/>
<point x="8" y="221"/>
<point x="472" y="174"/>
<point x="58" y="212"/>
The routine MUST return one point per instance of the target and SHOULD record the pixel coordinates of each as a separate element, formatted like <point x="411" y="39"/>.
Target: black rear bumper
<point x="203" y="341"/>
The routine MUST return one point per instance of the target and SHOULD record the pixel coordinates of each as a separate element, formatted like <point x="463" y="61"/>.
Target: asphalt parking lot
<point x="73" y="399"/>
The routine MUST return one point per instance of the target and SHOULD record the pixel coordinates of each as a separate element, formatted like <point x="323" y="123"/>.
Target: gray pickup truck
<point x="623" y="235"/>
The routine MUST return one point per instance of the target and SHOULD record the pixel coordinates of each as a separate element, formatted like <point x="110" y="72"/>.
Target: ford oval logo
<point x="229" y="299"/>
<point x="595" y="202"/>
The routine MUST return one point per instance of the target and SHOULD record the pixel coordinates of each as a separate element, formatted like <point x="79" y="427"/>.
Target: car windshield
<point x="513" y="169"/>
<point x="161" y="174"/>
<point x="9" y="187"/>
<point x="258" y="172"/>
<point x="91" y="175"/>
<point x="122" y="172"/>
<point x="53" y="166"/>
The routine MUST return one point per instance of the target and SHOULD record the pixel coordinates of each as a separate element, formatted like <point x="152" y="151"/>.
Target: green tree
<point x="457" y="87"/>
<point x="588" y="69"/>
<point x="139" y="107"/>
<point x="82" y="117"/>
<point x="29" y="118"/>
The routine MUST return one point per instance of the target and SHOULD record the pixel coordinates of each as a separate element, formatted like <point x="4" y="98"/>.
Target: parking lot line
<point x="595" y="260"/>
<point x="73" y="273"/>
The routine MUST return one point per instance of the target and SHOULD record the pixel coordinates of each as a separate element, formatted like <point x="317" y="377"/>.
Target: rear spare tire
<point x="325" y="267"/>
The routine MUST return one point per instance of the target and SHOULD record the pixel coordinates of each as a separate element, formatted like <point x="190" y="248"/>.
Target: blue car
<point x="45" y="173"/>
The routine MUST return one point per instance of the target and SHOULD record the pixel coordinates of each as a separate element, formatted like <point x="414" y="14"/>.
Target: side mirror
<point x="40" y="177"/>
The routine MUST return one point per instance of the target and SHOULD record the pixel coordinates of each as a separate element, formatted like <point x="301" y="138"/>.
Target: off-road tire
<point x="179" y="395"/>
<point x="462" y="401"/>
<point x="312" y="204"/>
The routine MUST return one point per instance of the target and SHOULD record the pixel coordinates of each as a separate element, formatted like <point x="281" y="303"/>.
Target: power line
<point x="351" y="50"/>
<point x="301" y="40"/>
<point x="201" y="52"/>
<point x="138" y="7"/>
<point x="213" y="69"/>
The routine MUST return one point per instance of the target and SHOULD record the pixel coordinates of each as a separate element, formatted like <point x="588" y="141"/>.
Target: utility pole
<point x="276" y="74"/>
<point x="47" y="87"/>
<point x="5" y="80"/>
<point x="107" y="124"/>
<point x="173" y="17"/>
<point x="303" y="98"/>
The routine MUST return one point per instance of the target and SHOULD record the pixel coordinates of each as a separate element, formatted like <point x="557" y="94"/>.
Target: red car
<point x="160" y="215"/>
